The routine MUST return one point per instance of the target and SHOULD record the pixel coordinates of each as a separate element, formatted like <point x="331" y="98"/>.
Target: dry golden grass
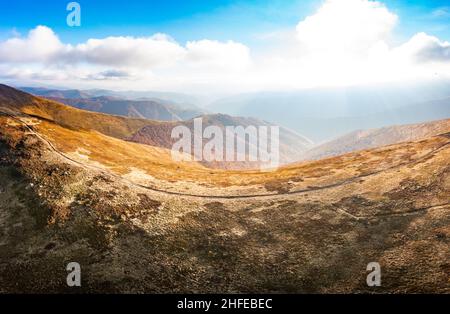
<point x="314" y="242"/>
<point x="122" y="157"/>
<point x="72" y="130"/>
<point x="118" y="155"/>
<point x="76" y="119"/>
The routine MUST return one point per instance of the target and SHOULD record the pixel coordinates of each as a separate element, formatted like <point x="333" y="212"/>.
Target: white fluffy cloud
<point x="343" y="42"/>
<point x="41" y="45"/>
<point x="159" y="50"/>
<point x="346" y="26"/>
<point x="157" y="60"/>
<point x="154" y="51"/>
<point x="425" y="48"/>
<point x="349" y="42"/>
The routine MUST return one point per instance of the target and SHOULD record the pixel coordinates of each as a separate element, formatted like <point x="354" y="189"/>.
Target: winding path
<point x="212" y="197"/>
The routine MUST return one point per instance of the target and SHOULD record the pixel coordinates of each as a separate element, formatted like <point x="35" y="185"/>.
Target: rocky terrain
<point x="72" y="189"/>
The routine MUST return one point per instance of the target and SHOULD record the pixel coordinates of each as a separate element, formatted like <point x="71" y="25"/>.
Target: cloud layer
<point x="159" y="50"/>
<point x="344" y="42"/>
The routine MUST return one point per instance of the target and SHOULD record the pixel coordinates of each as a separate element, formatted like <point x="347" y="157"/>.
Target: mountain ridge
<point x="111" y="102"/>
<point x="134" y="129"/>
<point x="325" y="113"/>
<point x="378" y="137"/>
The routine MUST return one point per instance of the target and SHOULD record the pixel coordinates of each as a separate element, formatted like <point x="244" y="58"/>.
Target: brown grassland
<point x="74" y="190"/>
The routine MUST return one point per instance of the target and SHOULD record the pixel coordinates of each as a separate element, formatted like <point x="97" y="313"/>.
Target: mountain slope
<point x="116" y="126"/>
<point x="138" y="222"/>
<point x="150" y="132"/>
<point x="292" y="145"/>
<point x="364" y="139"/>
<point x="12" y="97"/>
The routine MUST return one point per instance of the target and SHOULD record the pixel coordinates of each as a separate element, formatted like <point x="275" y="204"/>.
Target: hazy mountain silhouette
<point x="323" y="114"/>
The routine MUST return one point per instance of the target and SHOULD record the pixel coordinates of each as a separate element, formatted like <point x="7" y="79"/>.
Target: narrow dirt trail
<point x="218" y="197"/>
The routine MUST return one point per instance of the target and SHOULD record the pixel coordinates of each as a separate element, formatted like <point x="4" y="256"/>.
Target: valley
<point x="75" y="188"/>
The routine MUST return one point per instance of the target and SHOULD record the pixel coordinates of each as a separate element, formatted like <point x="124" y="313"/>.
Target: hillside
<point x="292" y="145"/>
<point x="150" y="132"/>
<point x="14" y="98"/>
<point x="116" y="126"/>
<point x="138" y="222"/>
<point x="364" y="139"/>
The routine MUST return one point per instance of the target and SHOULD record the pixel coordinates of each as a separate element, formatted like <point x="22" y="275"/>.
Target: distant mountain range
<point x="111" y="102"/>
<point x="57" y="93"/>
<point x="146" y="109"/>
<point x="177" y="98"/>
<point x="324" y="114"/>
<point x="371" y="138"/>
<point x="124" y="120"/>
<point x="319" y="114"/>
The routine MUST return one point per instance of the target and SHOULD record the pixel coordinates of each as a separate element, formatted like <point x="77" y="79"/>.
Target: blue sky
<point x="224" y="45"/>
<point x="183" y="20"/>
<point x="197" y="19"/>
